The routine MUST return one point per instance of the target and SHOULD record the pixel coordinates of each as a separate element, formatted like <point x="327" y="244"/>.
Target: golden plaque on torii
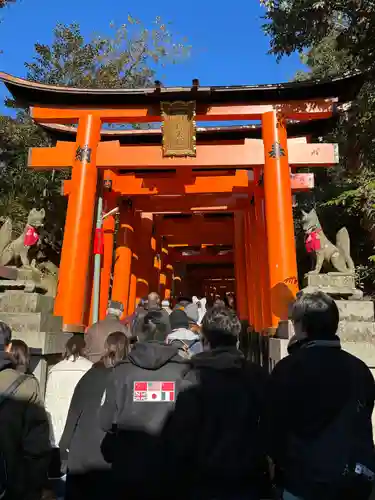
<point x="179" y="129"/>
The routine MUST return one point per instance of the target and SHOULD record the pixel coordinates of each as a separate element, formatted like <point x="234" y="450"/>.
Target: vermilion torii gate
<point x="223" y="193"/>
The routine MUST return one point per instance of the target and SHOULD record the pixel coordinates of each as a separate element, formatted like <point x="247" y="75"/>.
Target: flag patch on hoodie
<point x="153" y="392"/>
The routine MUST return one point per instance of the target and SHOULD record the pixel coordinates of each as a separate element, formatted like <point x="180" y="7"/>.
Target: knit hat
<point x="192" y="312"/>
<point x="115" y="306"/>
<point x="178" y="319"/>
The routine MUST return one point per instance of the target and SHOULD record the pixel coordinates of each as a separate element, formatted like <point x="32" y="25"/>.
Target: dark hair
<point x="219" y="302"/>
<point x="20" y="355"/>
<point x="116" y="348"/>
<point x="5" y="334"/>
<point x="318" y="315"/>
<point x="75" y="347"/>
<point x="221" y="327"/>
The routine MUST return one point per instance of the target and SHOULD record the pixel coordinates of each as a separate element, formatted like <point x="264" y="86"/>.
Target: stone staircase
<point x="30" y="315"/>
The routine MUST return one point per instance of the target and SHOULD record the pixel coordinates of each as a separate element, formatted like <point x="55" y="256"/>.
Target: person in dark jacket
<point x="154" y="305"/>
<point x="24" y="429"/>
<point x="140" y="394"/>
<point x="308" y="390"/>
<point x="88" y="473"/>
<point x="216" y="421"/>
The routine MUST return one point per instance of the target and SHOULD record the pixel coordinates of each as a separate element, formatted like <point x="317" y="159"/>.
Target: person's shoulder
<point x="256" y="371"/>
<point x="92" y="378"/>
<point x="286" y="364"/>
<point x="357" y="364"/>
<point x="182" y="364"/>
<point x="7" y="377"/>
<point x="83" y="363"/>
<point x="28" y="387"/>
<point x="122" y="367"/>
<point x="178" y="366"/>
<point x="61" y="366"/>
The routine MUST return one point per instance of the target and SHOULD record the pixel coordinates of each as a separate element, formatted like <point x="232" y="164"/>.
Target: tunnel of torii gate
<point x="200" y="210"/>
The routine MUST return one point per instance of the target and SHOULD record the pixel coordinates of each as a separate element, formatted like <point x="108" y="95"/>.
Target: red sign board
<point x="302" y="182"/>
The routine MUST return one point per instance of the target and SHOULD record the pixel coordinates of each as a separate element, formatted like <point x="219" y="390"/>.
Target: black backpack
<point x="4" y="396"/>
<point x="339" y="462"/>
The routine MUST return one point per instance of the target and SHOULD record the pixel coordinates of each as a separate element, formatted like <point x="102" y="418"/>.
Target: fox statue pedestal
<point x="30" y="315"/>
<point x="356" y="314"/>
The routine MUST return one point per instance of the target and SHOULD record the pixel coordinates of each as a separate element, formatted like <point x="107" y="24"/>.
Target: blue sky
<point x="229" y="47"/>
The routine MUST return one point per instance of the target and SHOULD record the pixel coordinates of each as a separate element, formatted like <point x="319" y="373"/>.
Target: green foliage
<point x="128" y="58"/>
<point x="22" y="189"/>
<point x="336" y="38"/>
<point x="295" y="25"/>
<point x="4" y="3"/>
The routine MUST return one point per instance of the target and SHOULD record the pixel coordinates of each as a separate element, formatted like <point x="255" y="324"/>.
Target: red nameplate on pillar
<point x="99" y="242"/>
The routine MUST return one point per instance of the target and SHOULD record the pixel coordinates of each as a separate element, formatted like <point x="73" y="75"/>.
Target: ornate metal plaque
<point x="83" y="154"/>
<point x="276" y="151"/>
<point x="179" y="129"/>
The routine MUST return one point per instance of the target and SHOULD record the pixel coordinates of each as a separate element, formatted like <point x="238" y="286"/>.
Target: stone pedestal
<point x="30" y="315"/>
<point x="335" y="284"/>
<point x="277" y="350"/>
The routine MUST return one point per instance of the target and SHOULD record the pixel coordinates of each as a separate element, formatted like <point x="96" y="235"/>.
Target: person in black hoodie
<point x="313" y="427"/>
<point x="212" y="440"/>
<point x="88" y="473"/>
<point x="140" y="394"/>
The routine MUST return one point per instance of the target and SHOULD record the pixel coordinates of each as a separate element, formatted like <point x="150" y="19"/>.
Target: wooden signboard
<point x="179" y="129"/>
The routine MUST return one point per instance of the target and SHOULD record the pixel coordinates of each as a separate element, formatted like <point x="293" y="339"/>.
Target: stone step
<point x="32" y="322"/>
<point x="16" y="301"/>
<point x="357" y="331"/>
<point x="41" y="332"/>
<point x="356" y="310"/>
<point x="362" y="350"/>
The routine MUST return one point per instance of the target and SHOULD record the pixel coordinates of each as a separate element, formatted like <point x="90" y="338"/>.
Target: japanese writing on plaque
<point x="179" y="130"/>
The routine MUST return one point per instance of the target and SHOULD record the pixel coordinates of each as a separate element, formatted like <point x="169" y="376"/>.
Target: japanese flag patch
<point x="152" y="392"/>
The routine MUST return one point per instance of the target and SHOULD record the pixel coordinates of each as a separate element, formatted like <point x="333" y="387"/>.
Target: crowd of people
<point x="164" y="404"/>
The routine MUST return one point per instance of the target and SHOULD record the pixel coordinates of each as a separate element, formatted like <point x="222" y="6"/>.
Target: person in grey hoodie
<point x="181" y="334"/>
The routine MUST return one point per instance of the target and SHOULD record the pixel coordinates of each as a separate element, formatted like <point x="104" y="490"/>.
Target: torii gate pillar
<point x="282" y="260"/>
<point x="240" y="265"/>
<point x="74" y="272"/>
<point x="123" y="258"/>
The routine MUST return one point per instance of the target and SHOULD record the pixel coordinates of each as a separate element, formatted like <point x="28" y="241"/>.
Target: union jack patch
<point x="153" y="392"/>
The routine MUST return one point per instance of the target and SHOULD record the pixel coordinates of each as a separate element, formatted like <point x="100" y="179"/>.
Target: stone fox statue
<point x="13" y="251"/>
<point x="317" y="242"/>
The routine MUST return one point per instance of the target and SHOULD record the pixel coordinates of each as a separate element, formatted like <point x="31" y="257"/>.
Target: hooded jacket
<point x="136" y="407"/>
<point x="24" y="435"/>
<point x="306" y="391"/>
<point x="214" y="430"/>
